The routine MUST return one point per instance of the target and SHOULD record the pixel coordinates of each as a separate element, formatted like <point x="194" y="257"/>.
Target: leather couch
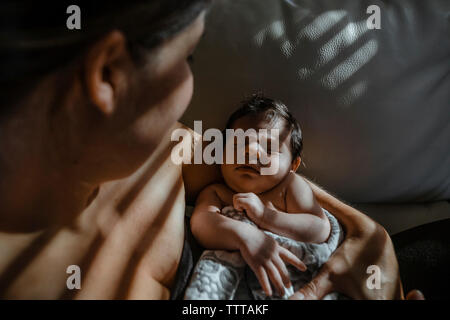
<point x="373" y="104"/>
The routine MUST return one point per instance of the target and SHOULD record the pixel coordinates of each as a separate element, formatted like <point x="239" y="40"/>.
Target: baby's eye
<point x="267" y="146"/>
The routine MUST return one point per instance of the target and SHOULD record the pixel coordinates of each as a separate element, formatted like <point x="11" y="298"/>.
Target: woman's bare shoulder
<point x="197" y="177"/>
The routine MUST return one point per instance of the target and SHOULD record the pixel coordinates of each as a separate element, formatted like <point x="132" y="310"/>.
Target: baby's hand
<point x="250" y="202"/>
<point x="267" y="260"/>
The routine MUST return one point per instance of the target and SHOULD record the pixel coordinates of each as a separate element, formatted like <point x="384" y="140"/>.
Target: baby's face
<point x="247" y="177"/>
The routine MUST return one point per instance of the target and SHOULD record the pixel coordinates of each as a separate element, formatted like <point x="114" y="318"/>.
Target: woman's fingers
<point x="283" y="271"/>
<point x="292" y="259"/>
<point x="263" y="280"/>
<point x="274" y="275"/>
<point x="316" y="289"/>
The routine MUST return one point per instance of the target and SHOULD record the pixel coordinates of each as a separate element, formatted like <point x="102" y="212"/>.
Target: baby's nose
<point x="253" y="151"/>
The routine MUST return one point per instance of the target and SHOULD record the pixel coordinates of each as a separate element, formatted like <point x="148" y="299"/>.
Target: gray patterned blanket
<point x="224" y="275"/>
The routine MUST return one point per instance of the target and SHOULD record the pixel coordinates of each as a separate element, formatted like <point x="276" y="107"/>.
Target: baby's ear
<point x="296" y="163"/>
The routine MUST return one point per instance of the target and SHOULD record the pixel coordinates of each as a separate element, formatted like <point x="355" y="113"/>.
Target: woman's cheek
<point x="188" y="90"/>
<point x="166" y="102"/>
<point x="180" y="91"/>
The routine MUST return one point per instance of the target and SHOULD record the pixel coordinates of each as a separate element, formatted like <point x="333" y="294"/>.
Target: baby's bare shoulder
<point x="299" y="195"/>
<point x="296" y="181"/>
<point x="219" y="191"/>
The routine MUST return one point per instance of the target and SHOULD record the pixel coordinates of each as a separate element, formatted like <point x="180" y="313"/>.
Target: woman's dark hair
<point x="273" y="110"/>
<point x="34" y="38"/>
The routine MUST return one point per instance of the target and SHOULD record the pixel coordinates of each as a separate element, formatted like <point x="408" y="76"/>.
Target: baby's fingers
<point x="239" y="203"/>
<point x="291" y="258"/>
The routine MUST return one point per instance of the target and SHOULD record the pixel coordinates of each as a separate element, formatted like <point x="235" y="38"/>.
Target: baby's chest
<point x="276" y="198"/>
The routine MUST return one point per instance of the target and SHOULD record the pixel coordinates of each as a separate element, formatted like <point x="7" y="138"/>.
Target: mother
<point x="87" y="179"/>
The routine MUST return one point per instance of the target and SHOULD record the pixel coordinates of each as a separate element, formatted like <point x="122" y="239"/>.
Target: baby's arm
<point x="262" y="253"/>
<point x="213" y="230"/>
<point x="304" y="220"/>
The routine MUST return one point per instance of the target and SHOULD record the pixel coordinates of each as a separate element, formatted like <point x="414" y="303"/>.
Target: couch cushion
<point x="374" y="105"/>
<point x="396" y="218"/>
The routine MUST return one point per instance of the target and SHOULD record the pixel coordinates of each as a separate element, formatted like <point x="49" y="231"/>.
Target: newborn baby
<point x="276" y="206"/>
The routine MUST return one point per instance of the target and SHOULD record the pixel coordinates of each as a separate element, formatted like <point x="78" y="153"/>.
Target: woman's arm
<point x="366" y="244"/>
<point x="196" y="177"/>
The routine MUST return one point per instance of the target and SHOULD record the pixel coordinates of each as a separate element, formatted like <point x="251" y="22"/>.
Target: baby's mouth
<point x="248" y="169"/>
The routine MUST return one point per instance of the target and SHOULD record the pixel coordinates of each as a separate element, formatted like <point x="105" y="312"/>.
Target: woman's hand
<point x="267" y="260"/>
<point x="366" y="244"/>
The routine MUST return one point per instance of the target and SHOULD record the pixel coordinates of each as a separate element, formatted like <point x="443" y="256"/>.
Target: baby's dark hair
<point x="272" y="110"/>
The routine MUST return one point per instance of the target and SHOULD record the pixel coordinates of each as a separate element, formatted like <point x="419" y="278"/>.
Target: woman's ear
<point x="105" y="70"/>
<point x="296" y="163"/>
